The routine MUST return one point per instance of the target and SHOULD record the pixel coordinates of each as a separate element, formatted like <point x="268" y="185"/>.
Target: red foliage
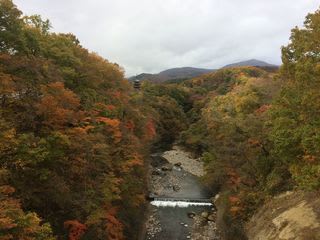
<point x="114" y="226"/>
<point x="150" y="132"/>
<point x="110" y="107"/>
<point x="130" y="125"/>
<point x="234" y="200"/>
<point x="75" y="228"/>
<point x="234" y="178"/>
<point x="117" y="95"/>
<point x="262" y="109"/>
<point x="58" y="105"/>
<point x="254" y="142"/>
<point x="101" y="107"/>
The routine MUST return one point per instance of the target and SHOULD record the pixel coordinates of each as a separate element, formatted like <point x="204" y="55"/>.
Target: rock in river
<point x="176" y="188"/>
<point x="204" y="214"/>
<point x="167" y="167"/>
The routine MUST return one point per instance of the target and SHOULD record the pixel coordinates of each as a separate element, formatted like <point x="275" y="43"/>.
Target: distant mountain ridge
<point x="172" y="74"/>
<point x="184" y="73"/>
<point x="251" y="62"/>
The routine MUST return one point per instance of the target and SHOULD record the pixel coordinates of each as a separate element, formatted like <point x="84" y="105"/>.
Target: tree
<point x="73" y="137"/>
<point x="58" y="106"/>
<point x="10" y="27"/>
<point x="14" y="222"/>
<point x="295" y="114"/>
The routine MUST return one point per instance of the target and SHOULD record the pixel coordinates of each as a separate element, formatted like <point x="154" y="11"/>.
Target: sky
<point x="154" y="35"/>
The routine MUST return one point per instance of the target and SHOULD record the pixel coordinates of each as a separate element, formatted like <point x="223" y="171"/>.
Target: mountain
<point x="184" y="73"/>
<point x="173" y="74"/>
<point x="251" y="62"/>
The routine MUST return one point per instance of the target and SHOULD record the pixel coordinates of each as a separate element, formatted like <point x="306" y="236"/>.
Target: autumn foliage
<point x="74" y="135"/>
<point x="75" y="229"/>
<point x="114" y="226"/>
<point x="73" y="138"/>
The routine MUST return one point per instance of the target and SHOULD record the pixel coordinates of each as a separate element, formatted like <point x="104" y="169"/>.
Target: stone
<point x="176" y="188"/>
<point x="204" y="214"/>
<point x="167" y="167"/>
<point x="211" y="217"/>
<point x="156" y="172"/>
<point x="178" y="164"/>
<point x="191" y="214"/>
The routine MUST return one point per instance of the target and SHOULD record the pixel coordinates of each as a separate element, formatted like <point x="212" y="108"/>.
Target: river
<point x="181" y="206"/>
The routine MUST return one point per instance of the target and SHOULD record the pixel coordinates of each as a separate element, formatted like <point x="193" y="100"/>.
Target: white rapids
<point x="181" y="204"/>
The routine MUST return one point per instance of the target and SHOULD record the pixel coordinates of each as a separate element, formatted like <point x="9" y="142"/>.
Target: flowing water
<point x="177" y="195"/>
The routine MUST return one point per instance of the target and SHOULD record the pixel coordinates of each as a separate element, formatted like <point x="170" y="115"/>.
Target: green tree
<point x="11" y="24"/>
<point x="295" y="114"/>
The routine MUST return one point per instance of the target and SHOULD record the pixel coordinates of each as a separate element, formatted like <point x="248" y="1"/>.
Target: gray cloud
<point x="152" y="35"/>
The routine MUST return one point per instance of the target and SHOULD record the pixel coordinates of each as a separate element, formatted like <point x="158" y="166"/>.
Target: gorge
<point x="86" y="156"/>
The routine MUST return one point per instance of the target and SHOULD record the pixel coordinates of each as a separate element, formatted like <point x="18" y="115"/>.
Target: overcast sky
<point x="153" y="35"/>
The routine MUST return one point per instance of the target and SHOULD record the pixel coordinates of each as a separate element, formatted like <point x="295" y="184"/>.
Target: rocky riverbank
<point x="178" y="156"/>
<point x="176" y="174"/>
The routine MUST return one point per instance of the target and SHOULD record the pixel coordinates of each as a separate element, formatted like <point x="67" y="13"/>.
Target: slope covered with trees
<point x="73" y="137"/>
<point x="258" y="132"/>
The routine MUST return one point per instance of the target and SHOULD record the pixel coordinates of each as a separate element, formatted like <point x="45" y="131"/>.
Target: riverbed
<point x="182" y="208"/>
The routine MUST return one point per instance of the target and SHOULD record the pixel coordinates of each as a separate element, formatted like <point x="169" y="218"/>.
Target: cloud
<point x="150" y="36"/>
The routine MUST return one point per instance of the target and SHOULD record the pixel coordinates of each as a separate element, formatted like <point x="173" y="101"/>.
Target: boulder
<point x="204" y="214"/>
<point x="191" y="214"/>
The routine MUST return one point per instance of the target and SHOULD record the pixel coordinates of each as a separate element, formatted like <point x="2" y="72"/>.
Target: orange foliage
<point x="150" y="131"/>
<point x="117" y="94"/>
<point x="83" y="130"/>
<point x="111" y="122"/>
<point x="6" y="84"/>
<point x="58" y="105"/>
<point x="263" y="109"/>
<point x="234" y="178"/>
<point x="110" y="107"/>
<point x="309" y="158"/>
<point x="234" y="200"/>
<point x="253" y="142"/>
<point x="14" y="222"/>
<point x="75" y="228"/>
<point x="136" y="161"/>
<point x="235" y="210"/>
<point x="114" y="226"/>
<point x="114" y="124"/>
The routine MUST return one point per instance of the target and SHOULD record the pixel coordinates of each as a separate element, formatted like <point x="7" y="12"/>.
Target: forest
<point x="75" y="135"/>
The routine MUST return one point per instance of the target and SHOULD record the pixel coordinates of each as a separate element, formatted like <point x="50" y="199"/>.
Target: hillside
<point x="172" y="74"/>
<point x="80" y="148"/>
<point x="73" y="138"/>
<point x="176" y="75"/>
